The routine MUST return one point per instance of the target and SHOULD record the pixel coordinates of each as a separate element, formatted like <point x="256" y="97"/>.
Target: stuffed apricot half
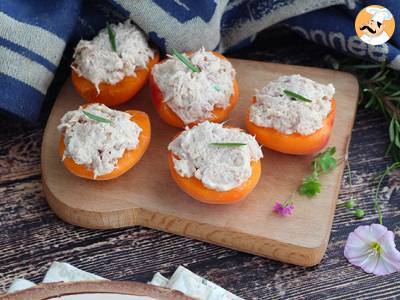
<point x="215" y="164"/>
<point x="114" y="65"/>
<point x="100" y="143"/>
<point x="185" y="96"/>
<point x="292" y="115"/>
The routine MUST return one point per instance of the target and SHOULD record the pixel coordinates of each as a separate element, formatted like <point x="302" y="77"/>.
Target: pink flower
<point x="285" y="209"/>
<point x="372" y="248"/>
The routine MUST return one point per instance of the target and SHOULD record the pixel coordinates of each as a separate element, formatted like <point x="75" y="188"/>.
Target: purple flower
<point x="285" y="209"/>
<point x="372" y="248"/>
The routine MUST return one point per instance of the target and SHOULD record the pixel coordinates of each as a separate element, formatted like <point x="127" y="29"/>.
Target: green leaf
<point x="371" y="101"/>
<point x="397" y="140"/>
<point x="96" y="118"/>
<point x="364" y="67"/>
<point x="111" y="36"/>
<point x="185" y="61"/>
<point x="310" y="186"/>
<point x="350" y="204"/>
<point x="295" y="97"/>
<point x="395" y="94"/>
<point x="391" y="129"/>
<point x="376" y="76"/>
<point x="228" y="144"/>
<point x="325" y="161"/>
<point x="359" y="213"/>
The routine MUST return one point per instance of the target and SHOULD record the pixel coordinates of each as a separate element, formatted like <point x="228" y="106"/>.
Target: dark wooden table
<point x="31" y="236"/>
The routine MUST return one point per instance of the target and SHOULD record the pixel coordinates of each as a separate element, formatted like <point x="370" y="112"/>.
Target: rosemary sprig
<point x="228" y="144"/>
<point x="380" y="90"/>
<point x="295" y="97"/>
<point x="111" y="36"/>
<point x="96" y="118"/>
<point x="185" y="61"/>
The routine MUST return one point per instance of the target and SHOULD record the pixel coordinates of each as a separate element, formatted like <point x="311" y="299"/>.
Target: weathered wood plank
<point x="32" y="237"/>
<point x="19" y="152"/>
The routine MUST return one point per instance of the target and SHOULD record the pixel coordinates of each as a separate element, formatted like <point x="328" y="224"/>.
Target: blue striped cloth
<point x="35" y="34"/>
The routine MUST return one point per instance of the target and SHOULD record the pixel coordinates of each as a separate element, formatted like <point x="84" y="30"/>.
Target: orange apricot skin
<point x="126" y="162"/>
<point x="195" y="188"/>
<point x="171" y="118"/>
<point x="113" y="94"/>
<point x="294" y="143"/>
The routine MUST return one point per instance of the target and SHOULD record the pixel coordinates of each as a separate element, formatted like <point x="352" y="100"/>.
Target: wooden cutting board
<point x="147" y="195"/>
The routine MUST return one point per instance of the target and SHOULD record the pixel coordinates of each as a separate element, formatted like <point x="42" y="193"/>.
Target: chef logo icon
<point x="375" y="25"/>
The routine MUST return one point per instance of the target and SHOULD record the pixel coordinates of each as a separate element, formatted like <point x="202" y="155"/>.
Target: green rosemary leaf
<point x="185" y="61"/>
<point x="395" y="93"/>
<point x="96" y="118"/>
<point x="111" y="36"/>
<point x="397" y="141"/>
<point x="294" y="96"/>
<point x="363" y="67"/>
<point x="391" y="130"/>
<point x="216" y="87"/>
<point x="371" y="101"/>
<point x="376" y="76"/>
<point x="228" y="144"/>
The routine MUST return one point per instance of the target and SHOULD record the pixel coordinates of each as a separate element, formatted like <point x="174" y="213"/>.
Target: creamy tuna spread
<point x="194" y="95"/>
<point x="273" y="108"/>
<point x="98" y="145"/>
<point x="96" y="61"/>
<point x="220" y="168"/>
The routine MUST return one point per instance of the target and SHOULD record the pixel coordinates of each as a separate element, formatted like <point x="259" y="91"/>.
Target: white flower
<point x="372" y="248"/>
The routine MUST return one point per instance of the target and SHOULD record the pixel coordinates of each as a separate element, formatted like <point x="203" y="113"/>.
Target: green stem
<point x="376" y="201"/>
<point x="349" y="172"/>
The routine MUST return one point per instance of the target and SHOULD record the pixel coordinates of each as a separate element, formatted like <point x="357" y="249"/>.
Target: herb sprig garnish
<point x="96" y="118"/>
<point x="296" y="97"/>
<point x="322" y="163"/>
<point x="185" y="61"/>
<point x="379" y="90"/>
<point x="111" y="36"/>
<point x="228" y="144"/>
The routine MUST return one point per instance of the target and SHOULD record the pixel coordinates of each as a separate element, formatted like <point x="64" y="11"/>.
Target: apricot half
<point x="126" y="162"/>
<point x="195" y="188"/>
<point x="294" y="143"/>
<point x="171" y="118"/>
<point x="113" y="94"/>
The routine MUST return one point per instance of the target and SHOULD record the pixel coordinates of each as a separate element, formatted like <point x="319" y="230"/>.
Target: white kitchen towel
<point x="193" y="285"/>
<point x="58" y="271"/>
<point x="182" y="280"/>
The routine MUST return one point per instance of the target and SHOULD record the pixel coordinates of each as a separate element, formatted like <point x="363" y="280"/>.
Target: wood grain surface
<point x="32" y="237"/>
